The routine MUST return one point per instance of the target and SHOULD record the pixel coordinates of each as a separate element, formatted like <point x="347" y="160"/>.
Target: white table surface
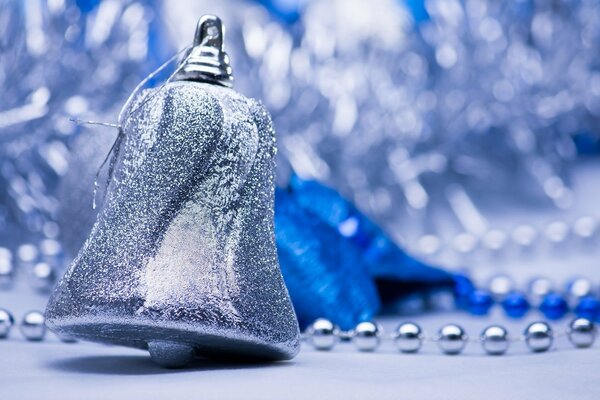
<point x="55" y="370"/>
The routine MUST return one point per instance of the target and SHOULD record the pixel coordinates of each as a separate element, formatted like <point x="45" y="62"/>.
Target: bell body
<point x="182" y="258"/>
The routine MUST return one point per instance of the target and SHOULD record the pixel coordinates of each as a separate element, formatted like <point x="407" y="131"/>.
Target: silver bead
<point x="585" y="227"/>
<point x="27" y="254"/>
<point x="524" y="236"/>
<point x="539" y="336"/>
<point x="557" y="232"/>
<point x="6" y="267"/>
<point x="495" y="340"/>
<point x="494" y="240"/>
<point x="465" y="243"/>
<point x="42" y="276"/>
<point x="452" y="339"/>
<point x="51" y="250"/>
<point x="366" y="336"/>
<point x="582" y="332"/>
<point x="408" y="337"/>
<point x="33" y="326"/>
<point x="500" y="285"/>
<point x="6" y="323"/>
<point x="323" y="334"/>
<point x="578" y="288"/>
<point x="538" y="289"/>
<point x="429" y="245"/>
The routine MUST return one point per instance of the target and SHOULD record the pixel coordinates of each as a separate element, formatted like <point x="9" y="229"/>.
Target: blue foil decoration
<point x="288" y="11"/>
<point x="323" y="270"/>
<point x="336" y="262"/>
<point x="463" y="287"/>
<point x="417" y="10"/>
<point x="383" y="258"/>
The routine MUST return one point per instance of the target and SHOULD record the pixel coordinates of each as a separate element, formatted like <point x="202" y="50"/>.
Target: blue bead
<point x="588" y="308"/>
<point x="480" y="302"/>
<point x="463" y="287"/>
<point x="515" y="305"/>
<point x="554" y="306"/>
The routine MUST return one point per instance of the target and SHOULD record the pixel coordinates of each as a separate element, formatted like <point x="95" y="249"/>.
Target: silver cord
<point x="125" y="106"/>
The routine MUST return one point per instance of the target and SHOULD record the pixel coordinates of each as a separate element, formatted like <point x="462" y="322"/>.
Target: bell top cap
<point x="207" y="61"/>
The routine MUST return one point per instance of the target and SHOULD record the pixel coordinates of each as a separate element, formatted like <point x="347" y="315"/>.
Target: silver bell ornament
<point x="181" y="259"/>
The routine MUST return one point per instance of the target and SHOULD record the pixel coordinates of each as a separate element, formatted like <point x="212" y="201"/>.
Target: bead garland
<point x="579" y="297"/>
<point x="523" y="237"/>
<point x="452" y="339"/>
<point x="41" y="264"/>
<point x="32" y="326"/>
<point x="367" y="336"/>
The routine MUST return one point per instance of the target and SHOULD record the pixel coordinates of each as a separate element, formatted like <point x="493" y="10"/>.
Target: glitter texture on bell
<point x="182" y="260"/>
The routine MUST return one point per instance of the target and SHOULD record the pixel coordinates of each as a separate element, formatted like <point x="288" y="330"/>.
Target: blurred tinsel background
<point x="467" y="129"/>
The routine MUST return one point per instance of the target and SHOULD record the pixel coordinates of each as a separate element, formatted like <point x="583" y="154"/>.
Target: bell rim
<point x="226" y="344"/>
